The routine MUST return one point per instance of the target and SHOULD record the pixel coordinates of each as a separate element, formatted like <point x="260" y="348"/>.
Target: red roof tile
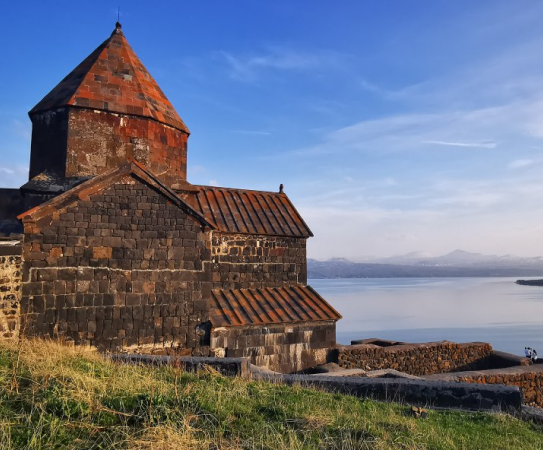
<point x="249" y="212"/>
<point x="292" y="304"/>
<point x="112" y="78"/>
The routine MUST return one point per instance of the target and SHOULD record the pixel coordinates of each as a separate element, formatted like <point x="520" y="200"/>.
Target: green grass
<point x="53" y="396"/>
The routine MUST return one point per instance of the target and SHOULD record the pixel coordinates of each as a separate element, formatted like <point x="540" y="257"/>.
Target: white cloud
<point x="443" y="199"/>
<point x="252" y="132"/>
<point x="442" y="194"/>
<point x="352" y="233"/>
<point x="469" y="200"/>
<point x="470" y="128"/>
<point x="520" y="163"/>
<point x="482" y="144"/>
<point x="497" y="213"/>
<point x="247" y="68"/>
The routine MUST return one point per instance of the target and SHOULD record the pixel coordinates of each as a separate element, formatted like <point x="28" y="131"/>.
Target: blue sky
<point x="395" y="125"/>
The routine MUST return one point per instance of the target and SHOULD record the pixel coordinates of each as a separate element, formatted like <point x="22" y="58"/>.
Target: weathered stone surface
<point x="342" y="373"/>
<point x="12" y="203"/>
<point x="414" y="359"/>
<point x="240" y="367"/>
<point x="414" y="392"/>
<point x="284" y="348"/>
<point x="241" y="261"/>
<point x="108" y="109"/>
<point x="98" y="141"/>
<point x="528" y="378"/>
<point x="10" y="289"/>
<point x="531" y="413"/>
<point x="109" y="279"/>
<point x="389" y="373"/>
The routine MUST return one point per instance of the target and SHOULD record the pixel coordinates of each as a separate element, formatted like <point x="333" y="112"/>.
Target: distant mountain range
<point x="458" y="263"/>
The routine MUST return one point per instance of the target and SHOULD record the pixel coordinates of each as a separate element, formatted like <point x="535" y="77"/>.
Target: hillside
<point x="458" y="263"/>
<point x="60" y="397"/>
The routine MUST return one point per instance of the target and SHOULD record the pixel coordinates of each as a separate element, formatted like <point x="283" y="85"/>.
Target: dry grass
<point x="55" y="396"/>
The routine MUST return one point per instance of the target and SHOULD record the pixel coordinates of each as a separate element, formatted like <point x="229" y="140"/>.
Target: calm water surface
<point x="494" y="310"/>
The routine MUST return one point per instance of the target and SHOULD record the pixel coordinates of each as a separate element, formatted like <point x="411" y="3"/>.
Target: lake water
<point x="494" y="310"/>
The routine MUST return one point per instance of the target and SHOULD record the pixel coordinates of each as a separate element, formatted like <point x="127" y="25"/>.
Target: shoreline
<point x="530" y="282"/>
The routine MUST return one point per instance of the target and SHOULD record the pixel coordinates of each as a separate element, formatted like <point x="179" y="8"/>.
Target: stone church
<point x="109" y="245"/>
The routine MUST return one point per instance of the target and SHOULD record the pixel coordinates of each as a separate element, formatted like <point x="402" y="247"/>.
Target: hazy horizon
<point x="363" y="258"/>
<point x="395" y="126"/>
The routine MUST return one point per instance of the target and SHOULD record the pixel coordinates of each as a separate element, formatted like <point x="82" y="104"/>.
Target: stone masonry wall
<point x="99" y="141"/>
<point x="529" y="378"/>
<point x="415" y="359"/>
<point x="79" y="142"/>
<point x="531" y="383"/>
<point x="10" y="289"/>
<point x="282" y="348"/>
<point x="49" y="140"/>
<point x="122" y="268"/>
<point x="241" y="261"/>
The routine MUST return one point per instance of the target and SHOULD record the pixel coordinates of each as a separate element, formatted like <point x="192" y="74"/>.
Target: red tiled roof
<point x="112" y="78"/>
<point x="241" y="307"/>
<point x="249" y="212"/>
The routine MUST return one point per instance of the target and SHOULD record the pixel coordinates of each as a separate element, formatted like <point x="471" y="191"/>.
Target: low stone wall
<point x="234" y="367"/>
<point x="415" y="359"/>
<point x="528" y="378"/>
<point x="415" y="392"/>
<point x="10" y="288"/>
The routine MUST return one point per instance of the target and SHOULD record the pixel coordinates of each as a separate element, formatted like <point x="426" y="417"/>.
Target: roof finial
<point x="117" y="29"/>
<point x="118" y="25"/>
<point x="281" y="188"/>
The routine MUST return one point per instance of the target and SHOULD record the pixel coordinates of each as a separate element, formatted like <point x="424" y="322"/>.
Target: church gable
<point x="121" y="263"/>
<point x="114" y="226"/>
<point x="130" y="172"/>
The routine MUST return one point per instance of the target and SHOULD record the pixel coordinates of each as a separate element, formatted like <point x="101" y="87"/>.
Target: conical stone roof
<point x="112" y="78"/>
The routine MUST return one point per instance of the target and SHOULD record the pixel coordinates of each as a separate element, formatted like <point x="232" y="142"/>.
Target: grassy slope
<point x="58" y="397"/>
